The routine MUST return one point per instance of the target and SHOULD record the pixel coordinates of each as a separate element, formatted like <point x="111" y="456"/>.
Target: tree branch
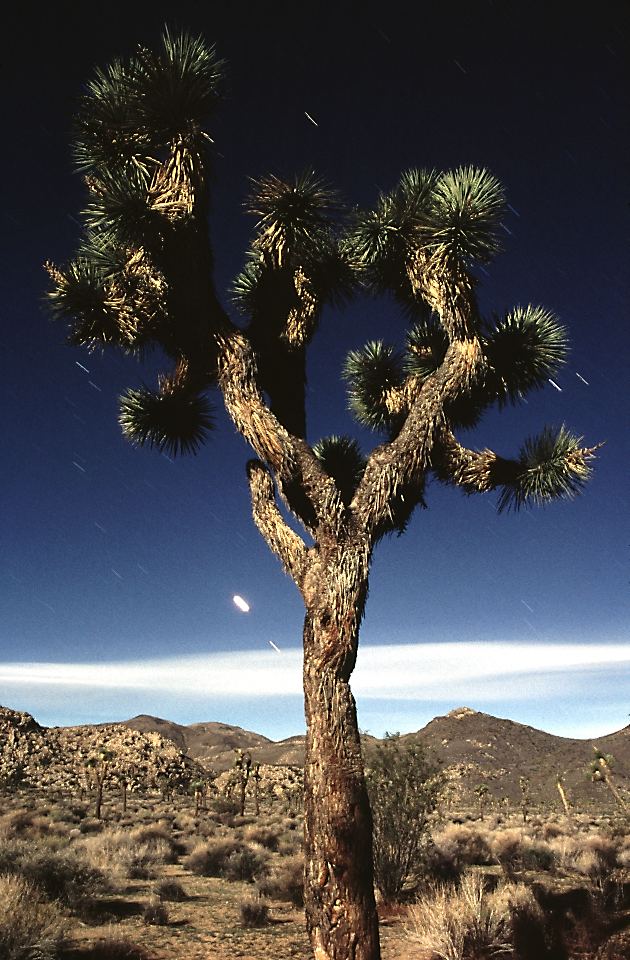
<point x="476" y="471"/>
<point x="284" y="542"/>
<point x="402" y="463"/>
<point x="308" y="490"/>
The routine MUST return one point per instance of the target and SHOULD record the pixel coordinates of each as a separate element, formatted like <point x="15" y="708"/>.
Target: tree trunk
<point x="339" y="890"/>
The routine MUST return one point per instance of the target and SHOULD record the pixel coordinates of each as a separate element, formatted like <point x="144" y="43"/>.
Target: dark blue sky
<point x="114" y="555"/>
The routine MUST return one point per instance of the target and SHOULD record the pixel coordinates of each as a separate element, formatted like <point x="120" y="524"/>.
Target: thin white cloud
<point x="432" y="671"/>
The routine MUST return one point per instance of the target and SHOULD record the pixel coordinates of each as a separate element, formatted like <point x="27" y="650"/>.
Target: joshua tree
<point x="523" y="783"/>
<point x="481" y="792"/>
<point x="601" y="772"/>
<point x="242" y="766"/>
<point x="143" y="275"/>
<point x="560" y="786"/>
<point x="97" y="768"/>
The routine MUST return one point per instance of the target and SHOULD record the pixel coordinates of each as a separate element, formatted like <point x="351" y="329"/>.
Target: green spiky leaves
<point x="524" y="350"/>
<point x="342" y="460"/>
<point x="373" y="373"/>
<point x="175" y="419"/>
<point x="426" y="348"/>
<point x="133" y="108"/>
<point x="108" y="297"/>
<point x="551" y="466"/>
<point x="294" y="220"/>
<point x="464" y="217"/>
<point x="380" y="241"/>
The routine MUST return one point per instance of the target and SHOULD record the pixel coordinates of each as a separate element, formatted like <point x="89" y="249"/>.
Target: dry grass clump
<point x="591" y="855"/>
<point x="516" y="850"/>
<point x="155" y="914"/>
<point x="132" y="854"/>
<point x="170" y="890"/>
<point x="285" y="881"/>
<point x="230" y="859"/>
<point x="115" y="948"/>
<point x="458" y="845"/>
<point x="457" y="923"/>
<point x="526" y="918"/>
<point x="30" y="927"/>
<point x="65" y="875"/>
<point x="254" y="912"/>
<point x="263" y="836"/>
<point x="24" y="824"/>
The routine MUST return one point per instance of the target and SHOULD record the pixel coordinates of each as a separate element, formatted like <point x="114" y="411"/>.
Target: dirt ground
<point x="207" y="926"/>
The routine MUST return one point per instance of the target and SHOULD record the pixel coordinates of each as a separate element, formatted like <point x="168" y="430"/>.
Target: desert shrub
<point x="246" y="864"/>
<point x="263" y="836"/>
<point x="404" y="786"/>
<point x="159" y="841"/>
<point x="515" y="850"/>
<point x="170" y="890"/>
<point x="30" y="927"/>
<point x="460" y="845"/>
<point x="526" y="919"/>
<point x="285" y="881"/>
<point x="458" y="923"/>
<point x="117" y="948"/>
<point x="231" y="859"/>
<point x="90" y="825"/>
<point x="254" y="912"/>
<point x="23" y="823"/>
<point x="60" y="874"/>
<point x="134" y="855"/>
<point x="155" y="914"/>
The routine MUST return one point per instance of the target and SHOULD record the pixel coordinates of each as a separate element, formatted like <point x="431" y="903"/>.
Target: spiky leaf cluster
<point x="108" y="297"/>
<point x="427" y="344"/>
<point x="550" y="466"/>
<point x="381" y="241"/>
<point x="342" y="460"/>
<point x="371" y="373"/>
<point x="175" y="421"/>
<point x="463" y="218"/>
<point x="294" y="220"/>
<point x="132" y="109"/>
<point x="523" y="351"/>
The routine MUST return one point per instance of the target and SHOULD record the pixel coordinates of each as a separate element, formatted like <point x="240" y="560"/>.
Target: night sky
<point x="119" y="565"/>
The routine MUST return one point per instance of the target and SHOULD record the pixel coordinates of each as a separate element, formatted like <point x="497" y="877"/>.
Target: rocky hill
<point x="473" y="748"/>
<point x="213" y="744"/>
<point x="66" y="759"/>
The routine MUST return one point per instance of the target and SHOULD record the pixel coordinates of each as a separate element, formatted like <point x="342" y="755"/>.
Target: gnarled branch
<point x="285" y="543"/>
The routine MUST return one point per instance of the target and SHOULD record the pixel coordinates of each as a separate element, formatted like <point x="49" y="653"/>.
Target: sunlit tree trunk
<point x="339" y="891"/>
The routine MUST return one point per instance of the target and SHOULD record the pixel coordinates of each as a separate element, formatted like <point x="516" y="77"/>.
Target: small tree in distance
<point x="404" y="786"/>
<point x="143" y="276"/>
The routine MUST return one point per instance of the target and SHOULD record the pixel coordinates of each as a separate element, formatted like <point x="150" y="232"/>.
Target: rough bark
<point x="339" y="889"/>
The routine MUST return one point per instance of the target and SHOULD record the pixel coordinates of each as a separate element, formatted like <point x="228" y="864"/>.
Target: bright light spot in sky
<point x="240" y="603"/>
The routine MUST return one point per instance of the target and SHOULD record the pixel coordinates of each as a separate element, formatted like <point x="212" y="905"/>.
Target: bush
<point x="286" y="881"/>
<point x="132" y="855"/>
<point x="404" y="787"/>
<point x="460" y="845"/>
<point x="254" y="912"/>
<point x="117" y="948"/>
<point x="231" y="859"/>
<point x="155" y="914"/>
<point x="459" y="923"/>
<point x="263" y="836"/>
<point x="171" y="890"/>
<point x="29" y="926"/>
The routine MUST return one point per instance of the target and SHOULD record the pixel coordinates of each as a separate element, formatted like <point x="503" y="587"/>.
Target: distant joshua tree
<point x="601" y="772"/>
<point x="560" y="786"/>
<point x="481" y="793"/>
<point x="143" y="276"/>
<point x="97" y="768"/>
